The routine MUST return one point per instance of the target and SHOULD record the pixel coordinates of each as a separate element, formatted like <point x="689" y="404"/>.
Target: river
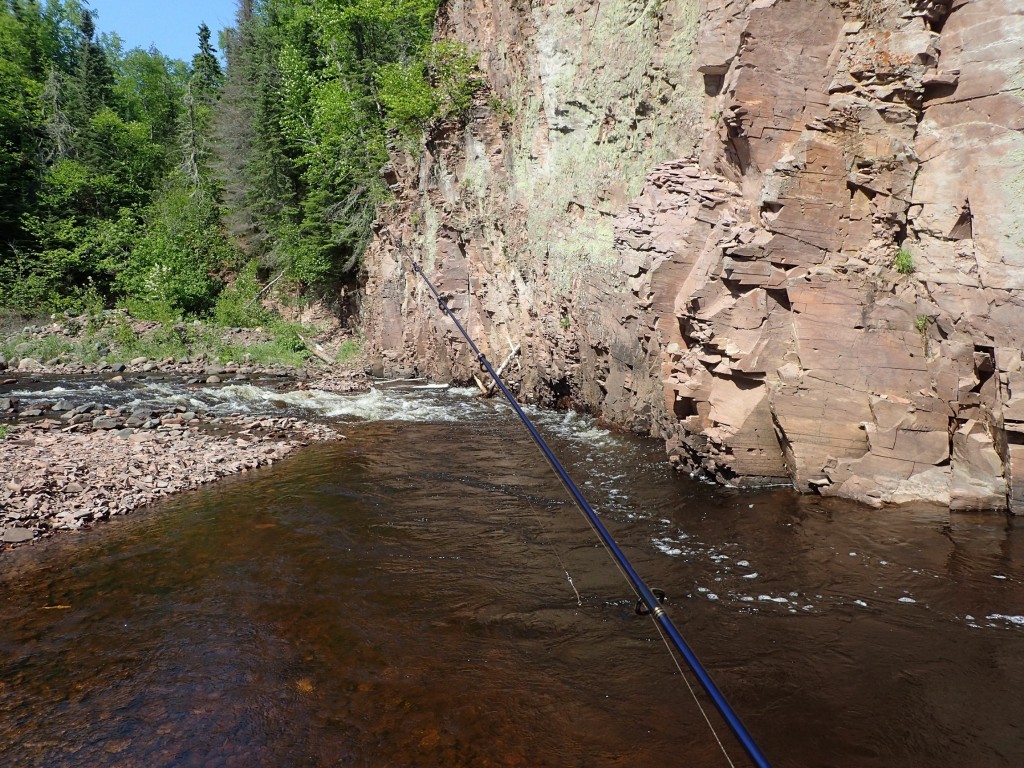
<point x="423" y="594"/>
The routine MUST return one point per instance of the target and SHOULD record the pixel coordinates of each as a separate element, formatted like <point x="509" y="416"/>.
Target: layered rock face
<point x="513" y="215"/>
<point x="820" y="280"/>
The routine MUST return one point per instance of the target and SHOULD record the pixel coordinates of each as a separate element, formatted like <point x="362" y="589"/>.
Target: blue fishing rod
<point x="649" y="597"/>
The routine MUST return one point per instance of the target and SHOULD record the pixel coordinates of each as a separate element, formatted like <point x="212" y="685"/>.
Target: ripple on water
<point x="328" y="607"/>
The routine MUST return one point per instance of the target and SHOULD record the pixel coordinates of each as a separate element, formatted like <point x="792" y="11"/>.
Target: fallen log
<point x="501" y="368"/>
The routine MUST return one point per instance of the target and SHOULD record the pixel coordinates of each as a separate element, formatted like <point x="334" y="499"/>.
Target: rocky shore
<point x="64" y="467"/>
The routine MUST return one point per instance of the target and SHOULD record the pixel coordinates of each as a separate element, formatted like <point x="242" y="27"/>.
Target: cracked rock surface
<point x="796" y="252"/>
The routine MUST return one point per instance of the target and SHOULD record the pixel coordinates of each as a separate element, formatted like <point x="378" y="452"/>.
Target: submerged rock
<point x="17" y="535"/>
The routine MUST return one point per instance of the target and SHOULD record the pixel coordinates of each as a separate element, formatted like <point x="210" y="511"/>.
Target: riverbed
<point x="423" y="594"/>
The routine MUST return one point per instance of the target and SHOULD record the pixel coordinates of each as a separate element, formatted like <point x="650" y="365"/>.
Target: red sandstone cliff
<point x="787" y="236"/>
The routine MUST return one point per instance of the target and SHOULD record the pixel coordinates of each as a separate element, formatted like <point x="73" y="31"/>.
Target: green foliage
<point x="121" y="338"/>
<point x="124" y="176"/>
<point x="921" y="323"/>
<point x="169" y="270"/>
<point x="237" y="305"/>
<point x="5" y="431"/>
<point x="285" y="346"/>
<point x="349" y="350"/>
<point x="88" y="138"/>
<point x="44" y="349"/>
<point x="439" y="85"/>
<point x="149" y="89"/>
<point x="452" y="73"/>
<point x="207" y="77"/>
<point x="164" y="341"/>
<point x="407" y="96"/>
<point x="310" y="263"/>
<point x="48" y="348"/>
<point x="500" y="107"/>
<point x="904" y="262"/>
<point x="301" y="126"/>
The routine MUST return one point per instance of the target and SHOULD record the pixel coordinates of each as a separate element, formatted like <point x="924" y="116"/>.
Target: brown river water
<point x="422" y="594"/>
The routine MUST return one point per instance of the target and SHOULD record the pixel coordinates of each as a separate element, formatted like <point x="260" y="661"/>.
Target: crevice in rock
<point x="1014" y="438"/>
<point x="854" y="187"/>
<point x="683" y="407"/>
<point x="781" y="297"/>
<point x="736" y="288"/>
<point x="713" y="84"/>
<point x="984" y="365"/>
<point x="964" y="227"/>
<point x="745" y="384"/>
<point x="900" y="235"/>
<point x="737" y="147"/>
<point x="934" y="12"/>
<point x="788" y="457"/>
<point x="561" y="392"/>
<point x="644" y="109"/>
<point x="938" y="90"/>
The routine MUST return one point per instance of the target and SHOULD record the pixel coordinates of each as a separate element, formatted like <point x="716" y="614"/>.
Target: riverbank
<point x="54" y="480"/>
<point x="68" y="465"/>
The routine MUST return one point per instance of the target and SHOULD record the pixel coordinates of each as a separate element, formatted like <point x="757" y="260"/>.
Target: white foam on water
<point x="861" y="603"/>
<point x="1016" y="620"/>
<point x="770" y="599"/>
<point x="667" y="547"/>
<point x="58" y="390"/>
<point x="753" y="575"/>
<point x="571" y="426"/>
<point x="907" y="600"/>
<point x="374" y="405"/>
<point x="420" y="386"/>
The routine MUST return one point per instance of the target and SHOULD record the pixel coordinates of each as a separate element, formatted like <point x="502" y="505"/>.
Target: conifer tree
<point x="93" y="81"/>
<point x="207" y="76"/>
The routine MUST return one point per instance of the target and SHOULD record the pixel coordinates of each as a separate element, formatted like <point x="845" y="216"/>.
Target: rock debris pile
<point x="88" y="463"/>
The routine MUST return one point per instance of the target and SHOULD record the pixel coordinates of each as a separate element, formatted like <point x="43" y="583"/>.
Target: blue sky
<point x="170" y="25"/>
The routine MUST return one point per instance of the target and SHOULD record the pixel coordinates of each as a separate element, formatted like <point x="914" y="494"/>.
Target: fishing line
<point x="696" y="700"/>
<point x="558" y="555"/>
<point x="648" y="598"/>
<point x="664" y="639"/>
<point x="675" y="660"/>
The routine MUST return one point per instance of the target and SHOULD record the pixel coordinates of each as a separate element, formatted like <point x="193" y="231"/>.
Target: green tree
<point x="87" y="134"/>
<point x="124" y="175"/>
<point x="93" y="82"/>
<point x="170" y="270"/>
<point x="257" y="173"/>
<point x="20" y="92"/>
<point x="207" y="76"/>
<point x="150" y="88"/>
<point x="302" y="125"/>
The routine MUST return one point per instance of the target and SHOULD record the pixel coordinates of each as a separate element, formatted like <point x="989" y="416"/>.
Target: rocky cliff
<point x="787" y="236"/>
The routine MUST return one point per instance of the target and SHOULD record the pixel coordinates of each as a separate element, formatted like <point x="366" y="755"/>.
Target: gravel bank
<point x="64" y="466"/>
